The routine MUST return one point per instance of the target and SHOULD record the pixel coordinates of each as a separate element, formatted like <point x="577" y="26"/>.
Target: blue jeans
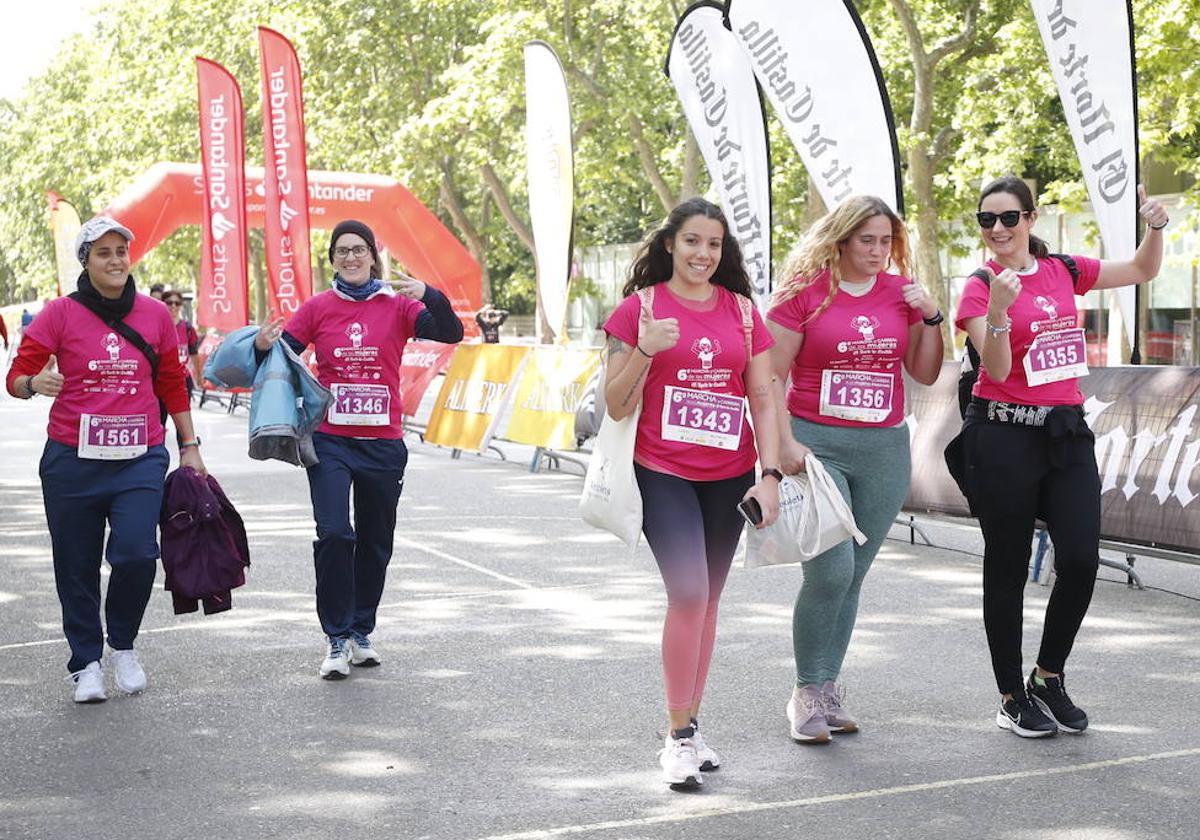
<point x="351" y="559"/>
<point x="81" y="496"/>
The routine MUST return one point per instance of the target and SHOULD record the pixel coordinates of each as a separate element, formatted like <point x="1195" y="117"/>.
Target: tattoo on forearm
<point x="634" y="387"/>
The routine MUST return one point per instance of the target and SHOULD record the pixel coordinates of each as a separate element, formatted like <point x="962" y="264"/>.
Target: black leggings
<point x="1014" y="476"/>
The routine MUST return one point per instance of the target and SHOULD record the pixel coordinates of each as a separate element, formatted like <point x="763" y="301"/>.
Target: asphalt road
<point x="520" y="694"/>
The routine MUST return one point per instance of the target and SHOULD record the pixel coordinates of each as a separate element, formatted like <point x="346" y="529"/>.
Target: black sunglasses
<point x="173" y="302"/>
<point x="1008" y="218"/>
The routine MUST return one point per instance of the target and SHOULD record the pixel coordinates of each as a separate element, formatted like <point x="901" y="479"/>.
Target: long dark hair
<point x="654" y="265"/>
<point x="1014" y="186"/>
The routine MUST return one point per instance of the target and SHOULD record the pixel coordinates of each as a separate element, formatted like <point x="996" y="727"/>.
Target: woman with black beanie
<point x="359" y="329"/>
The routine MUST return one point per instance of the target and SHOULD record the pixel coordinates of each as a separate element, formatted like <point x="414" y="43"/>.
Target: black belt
<point x="1062" y="422"/>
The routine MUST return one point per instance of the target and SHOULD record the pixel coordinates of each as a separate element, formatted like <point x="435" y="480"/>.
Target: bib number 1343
<point x="691" y="416"/>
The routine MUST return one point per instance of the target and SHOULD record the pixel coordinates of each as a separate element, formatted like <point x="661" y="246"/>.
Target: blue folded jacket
<point x="288" y="403"/>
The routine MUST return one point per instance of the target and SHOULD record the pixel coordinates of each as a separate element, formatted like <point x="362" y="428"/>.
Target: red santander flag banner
<point x="222" y="299"/>
<point x="289" y="268"/>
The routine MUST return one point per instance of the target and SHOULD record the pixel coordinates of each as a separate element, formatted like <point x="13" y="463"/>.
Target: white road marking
<point x="465" y="563"/>
<point x="1022" y="775"/>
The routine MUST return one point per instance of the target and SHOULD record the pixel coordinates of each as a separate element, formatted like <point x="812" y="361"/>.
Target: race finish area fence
<point x="549" y="397"/>
<point x="1147" y="451"/>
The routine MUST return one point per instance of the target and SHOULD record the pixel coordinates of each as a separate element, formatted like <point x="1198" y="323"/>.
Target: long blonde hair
<point x="820" y="249"/>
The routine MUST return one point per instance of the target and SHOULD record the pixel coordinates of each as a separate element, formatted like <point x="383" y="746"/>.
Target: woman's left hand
<point x="189" y="456"/>
<point x="1151" y="209"/>
<point x="410" y="287"/>
<point x="917" y="298"/>
<point x="766" y="491"/>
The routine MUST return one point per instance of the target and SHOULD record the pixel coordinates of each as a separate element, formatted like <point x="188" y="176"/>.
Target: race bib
<point x="1056" y="356"/>
<point x="702" y="418"/>
<point x="863" y="396"/>
<point x="183" y="354"/>
<point x="360" y="405"/>
<point x="117" y="437"/>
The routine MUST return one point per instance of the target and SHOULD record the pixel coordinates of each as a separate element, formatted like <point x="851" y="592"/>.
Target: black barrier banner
<point x="1147" y="449"/>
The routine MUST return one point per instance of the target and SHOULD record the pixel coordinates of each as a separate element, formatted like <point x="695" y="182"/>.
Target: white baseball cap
<point x="92" y="230"/>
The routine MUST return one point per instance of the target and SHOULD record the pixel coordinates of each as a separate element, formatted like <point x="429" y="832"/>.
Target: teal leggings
<point x="872" y="468"/>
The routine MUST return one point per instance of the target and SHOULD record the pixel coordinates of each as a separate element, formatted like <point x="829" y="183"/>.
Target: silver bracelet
<point x="994" y="330"/>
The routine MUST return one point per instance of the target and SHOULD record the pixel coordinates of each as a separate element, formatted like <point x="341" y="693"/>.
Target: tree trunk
<point x="474" y="241"/>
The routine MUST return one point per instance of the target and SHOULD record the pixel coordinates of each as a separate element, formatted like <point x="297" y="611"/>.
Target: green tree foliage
<point x="431" y="92"/>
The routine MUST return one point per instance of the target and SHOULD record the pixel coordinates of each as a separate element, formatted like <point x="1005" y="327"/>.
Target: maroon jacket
<point x="204" y="547"/>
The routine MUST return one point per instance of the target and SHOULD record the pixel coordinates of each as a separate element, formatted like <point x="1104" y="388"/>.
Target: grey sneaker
<point x="362" y="652"/>
<point x="836" y="718"/>
<point x="337" y="661"/>
<point x="806" y="712"/>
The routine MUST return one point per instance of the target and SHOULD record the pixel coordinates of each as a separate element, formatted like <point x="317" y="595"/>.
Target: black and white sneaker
<point x="1051" y="696"/>
<point x="1021" y="716"/>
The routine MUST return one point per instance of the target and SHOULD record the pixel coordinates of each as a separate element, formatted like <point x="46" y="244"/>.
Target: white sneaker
<point x="89" y="684"/>
<point x="363" y="653"/>
<point x="128" y="671"/>
<point x="709" y="760"/>
<point x="337" y="661"/>
<point x="680" y="764"/>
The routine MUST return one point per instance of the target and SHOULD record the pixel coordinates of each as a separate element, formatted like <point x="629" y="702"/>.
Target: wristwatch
<point x="29" y="391"/>
<point x="184" y="444"/>
<point x="935" y="320"/>
<point x="774" y="473"/>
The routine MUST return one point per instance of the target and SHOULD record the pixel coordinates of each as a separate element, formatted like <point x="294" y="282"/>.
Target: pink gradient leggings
<point x="692" y="528"/>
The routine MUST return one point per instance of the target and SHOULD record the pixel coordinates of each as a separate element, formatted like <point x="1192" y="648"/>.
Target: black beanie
<point x="358" y="228"/>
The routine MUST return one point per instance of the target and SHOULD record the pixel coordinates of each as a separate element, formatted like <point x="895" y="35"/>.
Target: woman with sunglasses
<point x="846" y="319"/>
<point x="189" y="341"/>
<point x="107" y="358"/>
<point x="359" y="329"/>
<point x="1028" y="453"/>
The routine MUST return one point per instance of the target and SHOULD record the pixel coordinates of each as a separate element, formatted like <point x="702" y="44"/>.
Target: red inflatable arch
<point x="168" y="196"/>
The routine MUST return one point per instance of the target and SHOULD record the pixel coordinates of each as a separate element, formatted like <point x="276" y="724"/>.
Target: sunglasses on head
<point x="1008" y="218"/>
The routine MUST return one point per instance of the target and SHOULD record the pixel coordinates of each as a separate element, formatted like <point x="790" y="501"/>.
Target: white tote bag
<point x="813" y="518"/>
<point x="611" y="498"/>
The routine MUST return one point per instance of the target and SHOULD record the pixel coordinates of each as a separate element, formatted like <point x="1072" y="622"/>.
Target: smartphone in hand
<point x="751" y="511"/>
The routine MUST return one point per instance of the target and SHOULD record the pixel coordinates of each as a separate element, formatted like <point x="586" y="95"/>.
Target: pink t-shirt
<point x="1045" y="305"/>
<point x="104" y="375"/>
<point x="359" y="345"/>
<point x="848" y="371"/>
<point x="703" y="432"/>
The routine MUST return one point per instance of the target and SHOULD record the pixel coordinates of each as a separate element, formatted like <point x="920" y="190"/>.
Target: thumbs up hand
<point x="656" y="335"/>
<point x="1151" y="210"/>
<point x="48" y="380"/>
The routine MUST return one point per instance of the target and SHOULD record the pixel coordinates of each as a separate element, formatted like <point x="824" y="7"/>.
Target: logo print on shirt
<point x="865" y="324"/>
<point x="1047" y="305"/>
<point x="705" y="348"/>
<point x="356" y="332"/>
<point x="112" y="344"/>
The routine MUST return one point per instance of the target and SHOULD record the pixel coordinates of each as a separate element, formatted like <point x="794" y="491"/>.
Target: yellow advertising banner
<point x="64" y="224"/>
<point x="548" y="395"/>
<point x="477" y="387"/>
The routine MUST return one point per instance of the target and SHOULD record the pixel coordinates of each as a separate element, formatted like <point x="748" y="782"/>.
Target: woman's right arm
<point x="995" y="349"/>
<point x="783" y="355"/>
<point x="624" y="378"/>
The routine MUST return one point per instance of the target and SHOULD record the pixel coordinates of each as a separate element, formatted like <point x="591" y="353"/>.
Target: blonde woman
<point x="843" y="326"/>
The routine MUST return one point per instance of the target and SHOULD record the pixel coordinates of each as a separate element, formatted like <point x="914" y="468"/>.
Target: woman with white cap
<point x="108" y="358"/>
